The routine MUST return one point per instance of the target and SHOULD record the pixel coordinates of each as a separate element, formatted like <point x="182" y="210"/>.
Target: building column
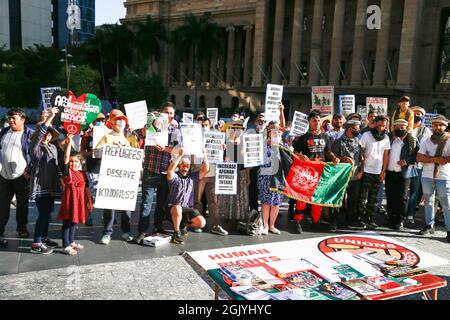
<point x="213" y="69"/>
<point x="278" y="42"/>
<point x="248" y="54"/>
<point x="336" y="45"/>
<point x="316" y="43"/>
<point x="379" y="79"/>
<point x="230" y="57"/>
<point x="358" y="43"/>
<point x="297" y="36"/>
<point x="260" y="55"/>
<point x="408" y="45"/>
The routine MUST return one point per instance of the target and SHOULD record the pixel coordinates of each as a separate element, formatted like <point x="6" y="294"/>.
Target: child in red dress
<point x="76" y="201"/>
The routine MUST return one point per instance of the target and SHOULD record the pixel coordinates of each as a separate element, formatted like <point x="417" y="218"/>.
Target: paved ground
<point x="128" y="271"/>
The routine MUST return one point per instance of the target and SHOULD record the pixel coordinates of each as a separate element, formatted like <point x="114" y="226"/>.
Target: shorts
<point x="187" y="214"/>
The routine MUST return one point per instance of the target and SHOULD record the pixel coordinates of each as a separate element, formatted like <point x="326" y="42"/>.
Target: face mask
<point x="121" y="124"/>
<point x="355" y="133"/>
<point x="98" y="124"/>
<point x="260" y="128"/>
<point x="234" y="118"/>
<point x="400" y="133"/>
<point x="417" y="119"/>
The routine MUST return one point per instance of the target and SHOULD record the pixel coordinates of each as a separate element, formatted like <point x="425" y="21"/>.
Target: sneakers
<point x="427" y="230"/>
<point x="50" y="243"/>
<point x="198" y="230"/>
<point x="106" y="239"/>
<point x="140" y="238"/>
<point x="371" y="225"/>
<point x="410" y="219"/>
<point x="177" y="238"/>
<point x="274" y="231"/>
<point x="184" y="231"/>
<point x="358" y="225"/>
<point x="77" y="246"/>
<point x="71" y="251"/>
<point x="40" y="248"/>
<point x="265" y="232"/>
<point x="298" y="228"/>
<point x="219" y="230"/>
<point x="127" y="237"/>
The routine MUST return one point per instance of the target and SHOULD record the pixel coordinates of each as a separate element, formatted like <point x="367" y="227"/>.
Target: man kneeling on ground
<point x="181" y="195"/>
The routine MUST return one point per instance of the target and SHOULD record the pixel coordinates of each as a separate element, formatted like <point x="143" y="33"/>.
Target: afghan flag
<point x="317" y="183"/>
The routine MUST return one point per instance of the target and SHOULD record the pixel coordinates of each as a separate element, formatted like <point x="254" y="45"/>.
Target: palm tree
<point x="200" y="35"/>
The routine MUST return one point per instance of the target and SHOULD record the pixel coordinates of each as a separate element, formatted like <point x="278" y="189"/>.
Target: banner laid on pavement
<point x="226" y="178"/>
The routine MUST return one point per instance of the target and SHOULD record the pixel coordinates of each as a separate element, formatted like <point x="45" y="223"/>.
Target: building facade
<point x="304" y="43"/>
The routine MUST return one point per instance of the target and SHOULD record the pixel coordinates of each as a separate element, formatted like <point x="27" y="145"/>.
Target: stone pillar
<point x="336" y="45"/>
<point x="213" y="72"/>
<point x="408" y="45"/>
<point x="278" y="42"/>
<point x="248" y="54"/>
<point x="358" y="43"/>
<point x="316" y="43"/>
<point x="297" y="36"/>
<point x="379" y="79"/>
<point x="230" y="57"/>
<point x="260" y="56"/>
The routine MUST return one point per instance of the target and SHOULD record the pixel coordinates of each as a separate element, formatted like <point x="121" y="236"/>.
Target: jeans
<point x="207" y="186"/>
<point x="370" y="185"/>
<point x="108" y="221"/>
<point x="380" y="195"/>
<point x="415" y="193"/>
<point x="68" y="233"/>
<point x="442" y="187"/>
<point x="45" y="206"/>
<point x="397" y="193"/>
<point x="8" y="188"/>
<point x="352" y="213"/>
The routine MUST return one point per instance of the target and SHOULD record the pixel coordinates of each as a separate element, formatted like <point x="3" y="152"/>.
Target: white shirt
<point x="374" y="152"/>
<point x="428" y="148"/>
<point x="426" y="135"/>
<point x="11" y="155"/>
<point x="394" y="155"/>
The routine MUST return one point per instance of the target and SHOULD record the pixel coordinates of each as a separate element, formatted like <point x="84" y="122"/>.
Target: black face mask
<point x="400" y="133"/>
<point x="417" y="119"/>
<point x="355" y="133"/>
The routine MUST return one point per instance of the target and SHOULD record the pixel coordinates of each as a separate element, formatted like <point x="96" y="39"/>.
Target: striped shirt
<point x="13" y="163"/>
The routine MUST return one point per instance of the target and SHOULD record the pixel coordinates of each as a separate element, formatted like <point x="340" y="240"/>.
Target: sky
<point x="109" y="11"/>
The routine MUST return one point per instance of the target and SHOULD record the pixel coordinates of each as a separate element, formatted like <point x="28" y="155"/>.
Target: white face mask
<point x="121" y="124"/>
<point x="234" y="118"/>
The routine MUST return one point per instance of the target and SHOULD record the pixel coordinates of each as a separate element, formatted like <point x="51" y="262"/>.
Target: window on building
<point x="218" y="102"/>
<point x="235" y="103"/>
<point x="324" y="21"/>
<point x="444" y="63"/>
<point x="202" y="102"/>
<point x="305" y="23"/>
<point x="187" y="101"/>
<point x="173" y="99"/>
<point x="304" y="70"/>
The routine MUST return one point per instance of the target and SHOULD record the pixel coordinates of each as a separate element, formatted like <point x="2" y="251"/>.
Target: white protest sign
<point x="46" y="94"/>
<point x="346" y="104"/>
<point x="274" y="95"/>
<point x="192" y="137"/>
<point x="380" y="105"/>
<point x="323" y="99"/>
<point x="119" y="177"/>
<point x="363" y="111"/>
<point x="98" y="132"/>
<point x="212" y="114"/>
<point x="253" y="150"/>
<point x="157" y="129"/>
<point x="226" y="178"/>
<point x="427" y="119"/>
<point x="214" y="142"/>
<point x="137" y="114"/>
<point x="300" y="124"/>
<point x="188" y="117"/>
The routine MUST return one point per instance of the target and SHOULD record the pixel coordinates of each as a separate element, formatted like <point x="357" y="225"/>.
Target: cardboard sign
<point x="300" y="124"/>
<point x="98" y="132"/>
<point x="226" y="178"/>
<point x="119" y="177"/>
<point x="427" y="119"/>
<point x="137" y="114"/>
<point x="188" y="117"/>
<point x="363" y="111"/>
<point x="212" y="114"/>
<point x="253" y="150"/>
<point x="46" y="94"/>
<point x="323" y="99"/>
<point x="274" y="95"/>
<point x="347" y="104"/>
<point x="213" y="142"/>
<point x="380" y="105"/>
<point x="192" y="137"/>
<point x="157" y="129"/>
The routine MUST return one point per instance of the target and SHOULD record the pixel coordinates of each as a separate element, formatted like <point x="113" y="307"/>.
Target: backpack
<point x="254" y="226"/>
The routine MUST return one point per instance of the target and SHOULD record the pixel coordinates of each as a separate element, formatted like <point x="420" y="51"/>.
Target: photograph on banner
<point x="363" y="111"/>
<point x="157" y="129"/>
<point x="118" y="182"/>
<point x="226" y="178"/>
<point x="253" y="150"/>
<point x="300" y="124"/>
<point x="188" y="117"/>
<point x="347" y="104"/>
<point x="379" y="105"/>
<point x="274" y="95"/>
<point x="323" y="99"/>
<point x="192" y="137"/>
<point x="137" y="114"/>
<point x="46" y="94"/>
<point x="212" y="114"/>
<point x="427" y="119"/>
<point x="98" y="132"/>
<point x="214" y="142"/>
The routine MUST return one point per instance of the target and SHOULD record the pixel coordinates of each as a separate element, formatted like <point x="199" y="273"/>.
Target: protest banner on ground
<point x="118" y="182"/>
<point x="214" y="142"/>
<point x="212" y="114"/>
<point x="346" y="104"/>
<point x="157" y="129"/>
<point x="379" y="105"/>
<point x="188" y="117"/>
<point x="274" y="95"/>
<point x="323" y="99"/>
<point x="253" y="150"/>
<point x="46" y="94"/>
<point x="427" y="119"/>
<point x="137" y="114"/>
<point x="192" y="138"/>
<point x="226" y="178"/>
<point x="300" y="124"/>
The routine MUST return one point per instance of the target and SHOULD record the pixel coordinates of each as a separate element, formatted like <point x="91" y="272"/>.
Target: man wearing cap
<point x="337" y="131"/>
<point x="348" y="149"/>
<point x="434" y="153"/>
<point x="404" y="112"/>
<point x="400" y="169"/>
<point x="375" y="149"/>
<point x="421" y="133"/>
<point x="354" y="116"/>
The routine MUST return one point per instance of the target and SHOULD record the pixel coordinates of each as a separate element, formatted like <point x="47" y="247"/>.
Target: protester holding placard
<point x="403" y="112"/>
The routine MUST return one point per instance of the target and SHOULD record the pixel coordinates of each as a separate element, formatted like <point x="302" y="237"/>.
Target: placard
<point x="118" y="182"/>
<point x="226" y="178"/>
<point x="157" y="129"/>
<point x="46" y="94"/>
<point x="274" y="95"/>
<point x="300" y="124"/>
<point x="253" y="150"/>
<point x="137" y="114"/>
<point x="192" y="138"/>
<point x="380" y="105"/>
<point x="98" y="132"/>
<point x="213" y="142"/>
<point x="323" y="99"/>
<point x="363" y="111"/>
<point x="427" y="119"/>
<point x="212" y="114"/>
<point x="188" y="117"/>
<point x="347" y="104"/>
